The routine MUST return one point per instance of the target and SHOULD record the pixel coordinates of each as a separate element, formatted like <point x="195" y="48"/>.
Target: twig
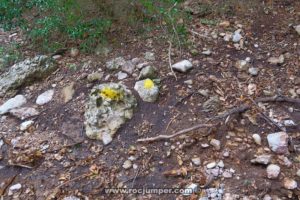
<point x="162" y="137"/>
<point x="19" y="165"/>
<point x="2" y="191"/>
<point x="267" y="118"/>
<point x="201" y="35"/>
<point x="170" y="122"/>
<point x="170" y="61"/>
<point x="245" y="107"/>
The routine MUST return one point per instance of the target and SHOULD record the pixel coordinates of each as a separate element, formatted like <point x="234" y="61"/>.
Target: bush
<point x="51" y="24"/>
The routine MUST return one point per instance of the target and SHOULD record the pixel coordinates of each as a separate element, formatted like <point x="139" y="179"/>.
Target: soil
<point x="68" y="154"/>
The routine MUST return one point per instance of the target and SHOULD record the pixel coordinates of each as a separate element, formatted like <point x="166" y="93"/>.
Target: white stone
<point x="257" y="139"/>
<point x="196" y="161"/>
<point x="121" y="75"/>
<point x="127" y="164"/>
<point x="15" y="187"/>
<point x="147" y="94"/>
<point x="106" y="138"/>
<point x="149" y="56"/>
<point x="252" y="88"/>
<point x="12" y="103"/>
<point x="24" y="112"/>
<point x="221" y="164"/>
<point x="25" y="125"/>
<point x="207" y="52"/>
<point x="278" y="142"/>
<point x="262" y="159"/>
<point x="115" y="63"/>
<point x="289" y="183"/>
<point x="190" y="189"/>
<point x="298" y="171"/>
<point x="45" y="97"/>
<point x="182" y="66"/>
<point x="297" y="29"/>
<point x="253" y="71"/>
<point x="211" y="165"/>
<point x="236" y="37"/>
<point x="276" y="60"/>
<point x="216" y="144"/>
<point x="273" y="171"/>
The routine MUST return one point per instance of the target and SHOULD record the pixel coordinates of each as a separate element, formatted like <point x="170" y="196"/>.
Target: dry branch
<point x="162" y="137"/>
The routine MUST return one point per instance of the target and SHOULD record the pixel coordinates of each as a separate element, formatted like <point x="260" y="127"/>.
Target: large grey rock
<point x="183" y="66"/>
<point x="109" y="106"/>
<point x="12" y="103"/>
<point x="278" y="142"/>
<point x="147" y="90"/>
<point x="26" y="72"/>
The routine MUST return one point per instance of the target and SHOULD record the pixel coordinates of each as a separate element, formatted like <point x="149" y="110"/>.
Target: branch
<point x="170" y="62"/>
<point x="162" y="137"/>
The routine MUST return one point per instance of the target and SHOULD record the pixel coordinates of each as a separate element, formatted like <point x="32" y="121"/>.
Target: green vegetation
<point x="9" y="55"/>
<point x="53" y="24"/>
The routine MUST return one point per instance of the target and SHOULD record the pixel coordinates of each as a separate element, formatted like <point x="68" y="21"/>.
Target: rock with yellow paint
<point x="109" y="106"/>
<point x="147" y="90"/>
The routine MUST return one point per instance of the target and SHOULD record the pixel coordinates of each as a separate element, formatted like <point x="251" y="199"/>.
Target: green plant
<point x="9" y="55"/>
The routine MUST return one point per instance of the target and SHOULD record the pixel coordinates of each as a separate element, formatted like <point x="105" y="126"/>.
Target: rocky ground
<point x="240" y="79"/>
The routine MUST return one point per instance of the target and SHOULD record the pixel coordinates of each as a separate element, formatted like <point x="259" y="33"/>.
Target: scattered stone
<point x="121" y="75"/>
<point x="196" y="161"/>
<point x="221" y="164"/>
<point x="147" y="90"/>
<point x="252" y="88"/>
<point x="109" y="106"/>
<point x="273" y="171"/>
<point x="227" y="37"/>
<point x="224" y="24"/>
<point x="227" y="174"/>
<point x="24" y="112"/>
<point x="242" y="65"/>
<point x="71" y="198"/>
<point x="207" y="52"/>
<point x="96" y="76"/>
<point x="25" y="72"/>
<point x="216" y="144"/>
<point x="149" y="56"/>
<point x="236" y="37"/>
<point x="262" y="159"/>
<point x="12" y="188"/>
<point x="142" y="65"/>
<point x="211" y="165"/>
<point x="148" y="72"/>
<point x="45" y="97"/>
<point x="25" y="125"/>
<point x="276" y="60"/>
<point x="1" y="143"/>
<point x="128" y="67"/>
<point x="182" y="66"/>
<point x="289" y="183"/>
<point x="12" y="103"/>
<point x="189" y="82"/>
<point x="68" y="92"/>
<point x="283" y="160"/>
<point x="127" y="164"/>
<point x="289" y="123"/>
<point x="298" y="171"/>
<point x="257" y="139"/>
<point x="115" y="63"/>
<point x="74" y="52"/>
<point x="253" y="71"/>
<point x="267" y="197"/>
<point x="278" y="142"/>
<point x="297" y="29"/>
<point x="190" y="189"/>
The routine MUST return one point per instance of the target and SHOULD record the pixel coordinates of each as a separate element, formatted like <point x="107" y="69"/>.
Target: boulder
<point x="109" y="106"/>
<point x="12" y="103"/>
<point x="25" y="72"/>
<point x="147" y="90"/>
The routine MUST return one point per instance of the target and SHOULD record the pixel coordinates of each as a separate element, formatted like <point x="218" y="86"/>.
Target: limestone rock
<point x="96" y="76"/>
<point x="12" y="103"/>
<point x="278" y="142"/>
<point x="183" y="66"/>
<point x="148" y="72"/>
<point x="25" y="125"/>
<point x="45" y="97"/>
<point x="273" y="171"/>
<point x="109" y="106"/>
<point x="24" y="112"/>
<point x="68" y="92"/>
<point x="147" y="90"/>
<point x="289" y="183"/>
<point x="25" y="72"/>
<point x="115" y="63"/>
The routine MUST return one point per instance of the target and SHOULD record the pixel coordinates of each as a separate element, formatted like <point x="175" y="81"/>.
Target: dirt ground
<point x="58" y="160"/>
